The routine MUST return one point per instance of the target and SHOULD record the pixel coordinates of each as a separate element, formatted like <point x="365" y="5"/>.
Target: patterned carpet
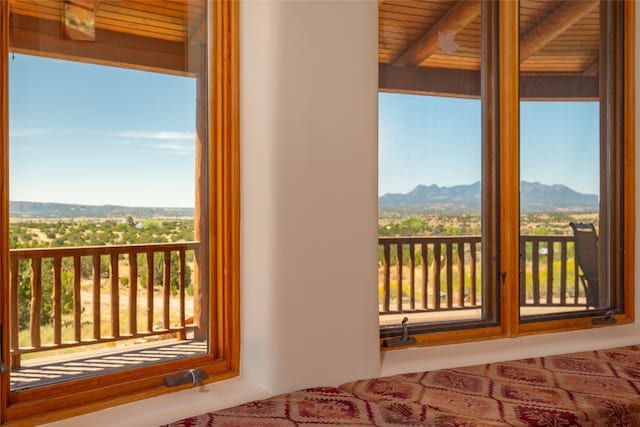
<point x="595" y="388"/>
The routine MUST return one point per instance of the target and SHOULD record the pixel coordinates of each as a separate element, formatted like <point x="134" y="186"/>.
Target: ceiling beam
<point x="43" y="37"/>
<point x="554" y="24"/>
<point x="429" y="81"/>
<point x="466" y="84"/>
<point x="452" y="22"/>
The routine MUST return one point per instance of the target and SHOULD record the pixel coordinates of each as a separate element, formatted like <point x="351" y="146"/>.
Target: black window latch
<point x="404" y="340"/>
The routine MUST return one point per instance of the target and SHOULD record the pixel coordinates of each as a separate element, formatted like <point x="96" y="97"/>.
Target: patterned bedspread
<point x="595" y="388"/>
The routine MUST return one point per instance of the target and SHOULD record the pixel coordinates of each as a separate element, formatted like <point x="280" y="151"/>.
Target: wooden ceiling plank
<point x="185" y="11"/>
<point x="386" y="27"/>
<point x="423" y="21"/>
<point x="41" y="3"/>
<point x="46" y="9"/>
<point x="125" y="22"/>
<point x="454" y="20"/>
<point x="554" y="24"/>
<point x="141" y="31"/>
<point x="157" y="26"/>
<point x="165" y="5"/>
<point x="145" y="14"/>
<point x="438" y="6"/>
<point x="189" y="10"/>
<point x="406" y="10"/>
<point x="404" y="24"/>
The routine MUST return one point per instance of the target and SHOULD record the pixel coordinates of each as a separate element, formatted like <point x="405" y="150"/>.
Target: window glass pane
<point x="430" y="251"/>
<point x="107" y="155"/>
<point x="561" y="149"/>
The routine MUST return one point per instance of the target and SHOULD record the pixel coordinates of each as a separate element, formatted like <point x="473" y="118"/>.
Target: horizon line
<point x="102" y="205"/>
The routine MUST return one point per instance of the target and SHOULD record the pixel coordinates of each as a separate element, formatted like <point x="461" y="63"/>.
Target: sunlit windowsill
<point x="171" y="407"/>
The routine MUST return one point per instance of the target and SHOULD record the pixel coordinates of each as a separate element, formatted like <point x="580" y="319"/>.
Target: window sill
<point x="171" y="407"/>
<point x="417" y="359"/>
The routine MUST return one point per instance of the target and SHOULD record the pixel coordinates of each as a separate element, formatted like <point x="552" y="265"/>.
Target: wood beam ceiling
<point x="452" y="22"/>
<point x="554" y="24"/>
<point x="463" y="13"/>
<point x="459" y="83"/>
<point x="43" y="37"/>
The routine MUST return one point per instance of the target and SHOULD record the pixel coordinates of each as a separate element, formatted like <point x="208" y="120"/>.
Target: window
<point x="120" y="201"/>
<point x="500" y="125"/>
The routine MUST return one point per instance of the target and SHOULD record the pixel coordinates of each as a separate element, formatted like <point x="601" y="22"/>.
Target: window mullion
<point x="629" y="173"/>
<point x="508" y="179"/>
<point x="4" y="200"/>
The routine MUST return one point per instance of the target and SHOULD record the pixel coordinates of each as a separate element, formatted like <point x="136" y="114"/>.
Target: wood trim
<point x="629" y="159"/>
<point x="4" y="201"/>
<point x="618" y="121"/>
<point x="453" y="337"/>
<point x="509" y="154"/>
<point x="604" y="107"/>
<point x="490" y="185"/>
<point x="566" y="325"/>
<point x="224" y="181"/>
<point x="46" y="404"/>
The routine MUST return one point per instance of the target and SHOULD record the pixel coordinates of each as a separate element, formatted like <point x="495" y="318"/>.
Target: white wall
<point x="309" y="208"/>
<point x="309" y="192"/>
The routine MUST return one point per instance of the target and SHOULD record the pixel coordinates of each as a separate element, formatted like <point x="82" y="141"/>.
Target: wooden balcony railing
<point x="548" y="272"/>
<point x="424" y="274"/>
<point x="118" y="258"/>
<point x="421" y="274"/>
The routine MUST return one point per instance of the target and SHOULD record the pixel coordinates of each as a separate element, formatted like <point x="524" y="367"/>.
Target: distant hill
<point x="64" y="210"/>
<point x="535" y="197"/>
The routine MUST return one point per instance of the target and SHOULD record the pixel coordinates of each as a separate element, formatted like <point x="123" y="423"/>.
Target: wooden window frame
<point x="502" y="112"/>
<point x="49" y="403"/>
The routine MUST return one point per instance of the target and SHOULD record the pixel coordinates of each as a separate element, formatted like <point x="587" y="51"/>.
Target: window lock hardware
<point x="194" y="376"/>
<point x="604" y="320"/>
<point x="401" y="341"/>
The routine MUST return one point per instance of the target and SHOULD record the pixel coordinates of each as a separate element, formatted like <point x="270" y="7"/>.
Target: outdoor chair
<point x="586" y="255"/>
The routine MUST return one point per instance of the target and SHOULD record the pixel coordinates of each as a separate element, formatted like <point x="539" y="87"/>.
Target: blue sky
<point x="436" y="140"/>
<point x="90" y="134"/>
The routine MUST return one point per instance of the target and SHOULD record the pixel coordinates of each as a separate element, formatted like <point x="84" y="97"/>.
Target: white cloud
<point x="156" y="135"/>
<point x="176" y="148"/>
<point x="17" y="133"/>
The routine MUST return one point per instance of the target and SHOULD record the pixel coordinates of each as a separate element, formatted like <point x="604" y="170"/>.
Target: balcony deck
<point x="51" y="370"/>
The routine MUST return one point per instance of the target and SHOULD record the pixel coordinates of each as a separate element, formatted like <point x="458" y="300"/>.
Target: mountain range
<point x="534" y="197"/>
<point x="66" y="210"/>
